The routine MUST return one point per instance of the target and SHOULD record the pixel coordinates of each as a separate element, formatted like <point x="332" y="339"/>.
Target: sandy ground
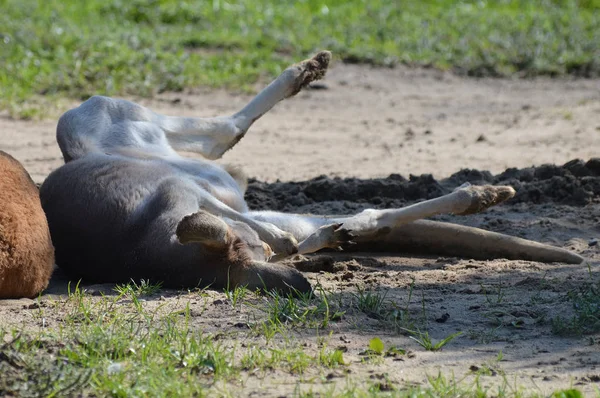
<point x="373" y="122"/>
<point x="370" y="123"/>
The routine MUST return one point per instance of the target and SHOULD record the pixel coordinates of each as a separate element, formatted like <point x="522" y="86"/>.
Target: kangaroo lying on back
<point x="127" y="205"/>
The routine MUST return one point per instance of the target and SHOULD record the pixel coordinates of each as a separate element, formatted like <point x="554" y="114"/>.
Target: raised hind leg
<point x="108" y="125"/>
<point x="188" y="134"/>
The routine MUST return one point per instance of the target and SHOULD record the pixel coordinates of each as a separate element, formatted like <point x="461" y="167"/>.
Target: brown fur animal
<point x="26" y="250"/>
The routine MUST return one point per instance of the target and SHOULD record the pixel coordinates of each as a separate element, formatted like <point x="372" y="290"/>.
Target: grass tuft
<point x="586" y="312"/>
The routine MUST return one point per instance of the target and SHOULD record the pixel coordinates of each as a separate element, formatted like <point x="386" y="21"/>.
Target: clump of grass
<point x="371" y="303"/>
<point x="377" y="349"/>
<point x="425" y="341"/>
<point x="144" y="288"/>
<point x="301" y="309"/>
<point x="285" y="312"/>
<point x="295" y="360"/>
<point x="496" y="296"/>
<point x="586" y="312"/>
<point x="236" y="295"/>
<point x="331" y="358"/>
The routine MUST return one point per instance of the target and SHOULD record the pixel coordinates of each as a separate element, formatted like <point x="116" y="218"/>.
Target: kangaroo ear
<point x="203" y="227"/>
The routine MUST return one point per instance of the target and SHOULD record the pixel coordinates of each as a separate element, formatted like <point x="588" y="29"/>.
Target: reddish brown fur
<point x="26" y="250"/>
<point x="238" y="259"/>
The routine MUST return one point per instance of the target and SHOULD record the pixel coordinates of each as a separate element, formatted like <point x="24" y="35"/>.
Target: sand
<point x="393" y="137"/>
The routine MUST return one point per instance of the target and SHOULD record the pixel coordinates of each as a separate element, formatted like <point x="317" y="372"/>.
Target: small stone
<point x="344" y="339"/>
<point x="347" y="276"/>
<point x="318" y="86"/>
<point x="443" y="318"/>
<point x="115" y="368"/>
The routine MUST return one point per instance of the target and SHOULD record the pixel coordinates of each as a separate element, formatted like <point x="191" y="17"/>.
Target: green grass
<point x="115" y="346"/>
<point x="237" y="295"/>
<point x="72" y="48"/>
<point x="371" y="303"/>
<point x="425" y="341"/>
<point x="292" y="311"/>
<point x="144" y="288"/>
<point x="113" y="350"/>
<point x="585" y="318"/>
<point x="120" y="346"/>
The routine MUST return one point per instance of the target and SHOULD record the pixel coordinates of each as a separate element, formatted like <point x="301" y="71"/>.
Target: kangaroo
<point x="127" y="205"/>
<point x="26" y="251"/>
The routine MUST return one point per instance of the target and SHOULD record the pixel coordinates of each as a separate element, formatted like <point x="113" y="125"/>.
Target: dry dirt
<point x="365" y="124"/>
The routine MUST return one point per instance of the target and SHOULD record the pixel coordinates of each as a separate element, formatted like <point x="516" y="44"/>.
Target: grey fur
<point x="127" y="206"/>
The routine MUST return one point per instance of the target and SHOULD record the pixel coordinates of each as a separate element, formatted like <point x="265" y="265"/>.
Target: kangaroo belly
<point x="97" y="213"/>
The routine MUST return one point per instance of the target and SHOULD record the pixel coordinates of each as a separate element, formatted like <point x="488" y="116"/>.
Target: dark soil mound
<point x="576" y="183"/>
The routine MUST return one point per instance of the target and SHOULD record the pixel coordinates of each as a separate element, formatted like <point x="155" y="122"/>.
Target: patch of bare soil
<point x="575" y="183"/>
<point x="371" y="127"/>
<point x="370" y="122"/>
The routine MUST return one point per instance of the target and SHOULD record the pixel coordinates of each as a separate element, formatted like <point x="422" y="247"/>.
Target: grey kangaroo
<point x="125" y="205"/>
